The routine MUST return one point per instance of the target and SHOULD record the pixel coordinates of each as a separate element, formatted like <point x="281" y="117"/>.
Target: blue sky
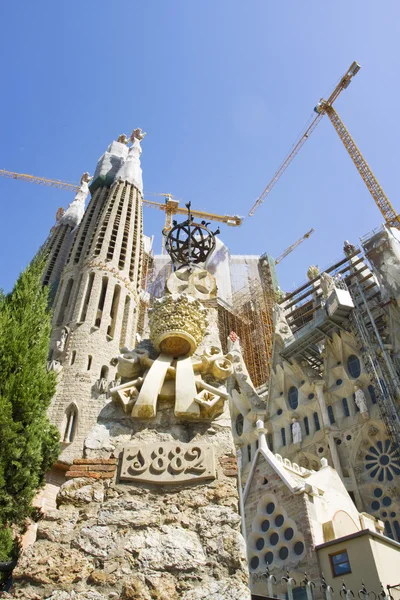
<point x="222" y="87"/>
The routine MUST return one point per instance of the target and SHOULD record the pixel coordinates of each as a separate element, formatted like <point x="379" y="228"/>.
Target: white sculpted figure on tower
<point x="63" y="339"/>
<point x="130" y="170"/>
<point x="360" y="400"/>
<point x="327" y="285"/>
<point x="74" y="213"/>
<point x="296" y="431"/>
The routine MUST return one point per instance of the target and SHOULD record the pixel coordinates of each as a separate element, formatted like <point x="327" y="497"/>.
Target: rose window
<point x="275" y="539"/>
<point x="382" y="461"/>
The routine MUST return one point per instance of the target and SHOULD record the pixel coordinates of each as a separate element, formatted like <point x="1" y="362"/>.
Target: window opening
<point x="87" y="297"/>
<point x="114" y="310"/>
<point x="340" y="563"/>
<point x="354" y="366"/>
<point x="345" y="407"/>
<point x="239" y="424"/>
<point x="89" y="362"/>
<point x="71" y="415"/>
<point x="73" y="357"/>
<point x="283" y="435"/>
<point x="372" y="394"/>
<point x="306" y="426"/>
<point x="65" y="301"/>
<point x="316" y="422"/>
<point x="293" y="397"/>
<point x="331" y="415"/>
<point x="102" y="298"/>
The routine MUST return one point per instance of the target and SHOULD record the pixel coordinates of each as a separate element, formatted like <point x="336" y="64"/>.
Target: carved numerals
<point x="168" y="462"/>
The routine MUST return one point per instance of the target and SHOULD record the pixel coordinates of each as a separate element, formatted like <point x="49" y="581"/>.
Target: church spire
<point x="130" y="171"/>
<point x="74" y="213"/>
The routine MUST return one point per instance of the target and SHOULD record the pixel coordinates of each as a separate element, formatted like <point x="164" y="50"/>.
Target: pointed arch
<point x="69" y="424"/>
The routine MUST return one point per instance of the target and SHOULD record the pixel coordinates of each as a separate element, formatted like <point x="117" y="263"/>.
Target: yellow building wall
<point x="372" y="561"/>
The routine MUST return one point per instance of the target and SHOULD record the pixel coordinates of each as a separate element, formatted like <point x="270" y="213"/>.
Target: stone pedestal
<point x="152" y="511"/>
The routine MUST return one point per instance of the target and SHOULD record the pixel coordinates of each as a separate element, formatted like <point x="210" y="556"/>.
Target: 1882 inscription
<point x="168" y="462"/>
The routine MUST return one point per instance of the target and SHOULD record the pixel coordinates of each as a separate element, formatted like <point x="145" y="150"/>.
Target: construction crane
<point x="293" y="246"/>
<point x="170" y="207"/>
<point x="325" y="107"/>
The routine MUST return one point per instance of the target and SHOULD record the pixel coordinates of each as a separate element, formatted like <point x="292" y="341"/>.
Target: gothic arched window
<point x="293" y="397"/>
<point x="239" y="424"/>
<point x="372" y="394"/>
<point x="283" y="435"/>
<point x="345" y="407"/>
<point x="353" y="365"/>
<point x="306" y="426"/>
<point x="316" y="422"/>
<point x="70" y="424"/>
<point x="331" y="415"/>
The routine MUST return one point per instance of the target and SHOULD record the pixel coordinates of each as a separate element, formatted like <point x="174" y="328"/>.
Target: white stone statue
<point x="63" y="339"/>
<point x="130" y="170"/>
<point x="74" y="213"/>
<point x="312" y="272"/>
<point x="360" y="400"/>
<point x="137" y="134"/>
<point x="281" y="325"/>
<point x="327" y="285"/>
<point x="123" y="139"/>
<point x="296" y="431"/>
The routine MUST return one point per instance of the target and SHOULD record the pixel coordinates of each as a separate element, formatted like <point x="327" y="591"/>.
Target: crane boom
<point x="170" y="207"/>
<point x="293" y="246"/>
<point x="342" y="85"/>
<point x="62" y="185"/>
<point x="325" y="106"/>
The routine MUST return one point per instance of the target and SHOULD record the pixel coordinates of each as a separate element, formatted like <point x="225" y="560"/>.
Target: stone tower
<point x="61" y="236"/>
<point x="95" y="308"/>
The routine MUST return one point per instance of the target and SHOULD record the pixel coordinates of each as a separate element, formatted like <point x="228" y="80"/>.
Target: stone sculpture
<point x="192" y="378"/>
<point x="313" y="272"/>
<point x="296" y="431"/>
<point x="63" y="340"/>
<point x="327" y="285"/>
<point x="360" y="399"/>
<point x="281" y="325"/>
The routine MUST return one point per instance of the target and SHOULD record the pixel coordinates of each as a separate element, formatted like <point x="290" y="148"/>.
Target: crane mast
<point x="325" y="106"/>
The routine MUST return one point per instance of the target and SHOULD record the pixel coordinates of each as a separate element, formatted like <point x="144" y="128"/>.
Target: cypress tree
<point x="29" y="444"/>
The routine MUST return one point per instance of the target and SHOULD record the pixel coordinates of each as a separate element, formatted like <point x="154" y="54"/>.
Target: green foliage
<point x="29" y="443"/>
<point x="6" y="543"/>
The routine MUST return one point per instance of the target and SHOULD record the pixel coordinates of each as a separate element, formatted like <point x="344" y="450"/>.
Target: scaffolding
<point x="250" y="317"/>
<point x="306" y="313"/>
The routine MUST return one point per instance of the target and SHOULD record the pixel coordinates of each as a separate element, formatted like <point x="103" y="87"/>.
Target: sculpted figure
<point x="348" y="248"/>
<point x="327" y="285"/>
<point x="360" y="400"/>
<point x="63" y="340"/>
<point x="296" y="431"/>
<point x="137" y="134"/>
<point x="123" y="139"/>
<point x="281" y="325"/>
<point x="312" y="272"/>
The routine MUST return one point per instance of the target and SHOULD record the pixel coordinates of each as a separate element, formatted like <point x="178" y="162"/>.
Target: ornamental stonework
<point x="169" y="462"/>
<point x="177" y="324"/>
